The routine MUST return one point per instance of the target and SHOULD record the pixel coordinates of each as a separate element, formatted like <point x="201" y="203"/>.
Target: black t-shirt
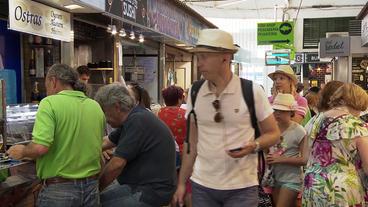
<point x="149" y="148"/>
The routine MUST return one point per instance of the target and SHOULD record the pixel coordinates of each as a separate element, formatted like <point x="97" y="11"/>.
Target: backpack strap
<point x="193" y="96"/>
<point x="248" y="95"/>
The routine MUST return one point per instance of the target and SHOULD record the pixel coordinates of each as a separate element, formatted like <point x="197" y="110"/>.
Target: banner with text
<point x="161" y="15"/>
<point x="133" y="10"/>
<point x="38" y="19"/>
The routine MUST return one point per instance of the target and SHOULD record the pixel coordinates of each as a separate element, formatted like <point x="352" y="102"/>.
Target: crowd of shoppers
<point x="218" y="145"/>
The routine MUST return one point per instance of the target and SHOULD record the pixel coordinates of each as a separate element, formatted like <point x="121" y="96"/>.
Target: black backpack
<point x="247" y="90"/>
<point x="248" y="95"/>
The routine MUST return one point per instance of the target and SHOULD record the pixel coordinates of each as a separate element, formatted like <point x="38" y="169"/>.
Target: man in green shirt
<point x="67" y="140"/>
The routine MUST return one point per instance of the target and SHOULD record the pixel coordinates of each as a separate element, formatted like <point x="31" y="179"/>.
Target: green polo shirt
<point x="71" y="125"/>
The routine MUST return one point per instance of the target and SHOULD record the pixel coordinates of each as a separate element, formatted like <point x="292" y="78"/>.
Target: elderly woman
<point x="338" y="151"/>
<point x="284" y="81"/>
<point x="326" y="93"/>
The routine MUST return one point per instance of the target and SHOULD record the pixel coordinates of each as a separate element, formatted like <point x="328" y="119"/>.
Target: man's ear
<point x="53" y="81"/>
<point x="117" y="107"/>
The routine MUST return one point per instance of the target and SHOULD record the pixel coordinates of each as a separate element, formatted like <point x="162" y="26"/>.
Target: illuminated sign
<point x="277" y="57"/>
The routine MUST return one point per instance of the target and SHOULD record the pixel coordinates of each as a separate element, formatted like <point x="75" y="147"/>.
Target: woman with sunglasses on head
<point x="286" y="158"/>
<point x="141" y="96"/>
<point x="284" y="81"/>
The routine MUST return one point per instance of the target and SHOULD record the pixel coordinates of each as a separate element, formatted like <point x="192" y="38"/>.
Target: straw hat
<point x="284" y="102"/>
<point x="284" y="70"/>
<point x="215" y="40"/>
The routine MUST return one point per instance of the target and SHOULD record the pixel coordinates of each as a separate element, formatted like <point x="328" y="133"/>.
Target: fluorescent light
<point x="231" y="3"/>
<point x="189" y="48"/>
<point x="181" y="45"/>
<point x="73" y="6"/>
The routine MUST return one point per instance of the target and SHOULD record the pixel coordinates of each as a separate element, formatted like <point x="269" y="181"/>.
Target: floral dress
<point x="174" y="118"/>
<point x="334" y="174"/>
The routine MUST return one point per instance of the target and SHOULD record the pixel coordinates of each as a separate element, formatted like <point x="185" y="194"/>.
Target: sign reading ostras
<point x="23" y="15"/>
<point x="130" y="8"/>
<point x="35" y="18"/>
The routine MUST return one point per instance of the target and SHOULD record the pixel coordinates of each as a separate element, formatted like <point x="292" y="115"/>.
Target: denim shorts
<point x="291" y="186"/>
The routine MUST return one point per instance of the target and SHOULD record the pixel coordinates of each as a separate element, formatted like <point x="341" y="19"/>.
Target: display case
<point x="20" y="119"/>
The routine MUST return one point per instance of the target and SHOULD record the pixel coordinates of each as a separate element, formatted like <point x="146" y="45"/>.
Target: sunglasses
<point x="218" y="116"/>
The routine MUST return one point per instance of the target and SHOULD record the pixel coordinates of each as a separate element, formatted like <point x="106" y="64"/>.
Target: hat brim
<point x="209" y="49"/>
<point x="282" y="108"/>
<point x="292" y="77"/>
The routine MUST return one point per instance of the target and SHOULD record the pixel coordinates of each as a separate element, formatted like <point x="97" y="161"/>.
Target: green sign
<point x="275" y="32"/>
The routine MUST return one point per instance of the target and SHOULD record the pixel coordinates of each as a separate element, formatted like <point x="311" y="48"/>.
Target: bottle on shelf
<point x="32" y="64"/>
<point x="35" y="94"/>
<point x="48" y="60"/>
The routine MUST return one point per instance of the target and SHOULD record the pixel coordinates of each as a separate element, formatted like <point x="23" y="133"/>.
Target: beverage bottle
<point x="32" y="64"/>
<point x="35" y="94"/>
<point x="48" y="61"/>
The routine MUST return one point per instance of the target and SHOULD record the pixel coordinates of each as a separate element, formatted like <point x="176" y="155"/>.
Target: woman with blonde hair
<point x="284" y="81"/>
<point x="337" y="152"/>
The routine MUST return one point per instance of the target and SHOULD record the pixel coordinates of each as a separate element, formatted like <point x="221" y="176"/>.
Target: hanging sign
<point x="334" y="47"/>
<point x="277" y="57"/>
<point x="35" y="18"/>
<point x="133" y="10"/>
<point x="275" y="32"/>
<point x="299" y="57"/>
<point x="311" y="57"/>
<point x="364" y="31"/>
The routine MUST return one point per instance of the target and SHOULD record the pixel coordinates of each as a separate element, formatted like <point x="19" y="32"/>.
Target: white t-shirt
<point x="213" y="167"/>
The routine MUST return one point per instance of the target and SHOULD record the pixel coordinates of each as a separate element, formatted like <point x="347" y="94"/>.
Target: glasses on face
<point x="218" y="116"/>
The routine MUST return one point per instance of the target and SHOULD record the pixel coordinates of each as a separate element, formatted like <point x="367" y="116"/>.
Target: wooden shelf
<point x="101" y="69"/>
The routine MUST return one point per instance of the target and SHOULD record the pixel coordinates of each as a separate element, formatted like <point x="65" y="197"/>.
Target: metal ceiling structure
<point x="268" y="9"/>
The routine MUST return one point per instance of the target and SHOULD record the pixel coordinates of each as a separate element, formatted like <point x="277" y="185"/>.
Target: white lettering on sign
<point x="130" y="8"/>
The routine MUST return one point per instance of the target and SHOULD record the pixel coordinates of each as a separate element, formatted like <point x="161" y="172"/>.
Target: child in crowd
<point x="286" y="157"/>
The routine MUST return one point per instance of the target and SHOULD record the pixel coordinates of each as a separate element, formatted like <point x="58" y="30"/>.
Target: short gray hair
<point x="67" y="76"/>
<point x="113" y="93"/>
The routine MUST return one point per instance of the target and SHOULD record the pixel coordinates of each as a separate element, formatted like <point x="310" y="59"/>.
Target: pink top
<point x="301" y="103"/>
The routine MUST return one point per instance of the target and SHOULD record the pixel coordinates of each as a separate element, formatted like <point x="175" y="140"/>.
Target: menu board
<point x="359" y="72"/>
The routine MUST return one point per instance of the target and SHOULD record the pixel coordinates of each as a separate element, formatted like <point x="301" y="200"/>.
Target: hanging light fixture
<point x="109" y="28"/>
<point x="132" y="35"/>
<point x="141" y="38"/>
<point x="122" y="32"/>
<point x="113" y="30"/>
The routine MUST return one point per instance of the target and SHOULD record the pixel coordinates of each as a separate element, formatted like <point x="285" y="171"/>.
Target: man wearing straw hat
<point x="222" y="163"/>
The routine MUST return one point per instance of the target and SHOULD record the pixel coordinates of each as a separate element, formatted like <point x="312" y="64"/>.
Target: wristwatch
<point x="258" y="147"/>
